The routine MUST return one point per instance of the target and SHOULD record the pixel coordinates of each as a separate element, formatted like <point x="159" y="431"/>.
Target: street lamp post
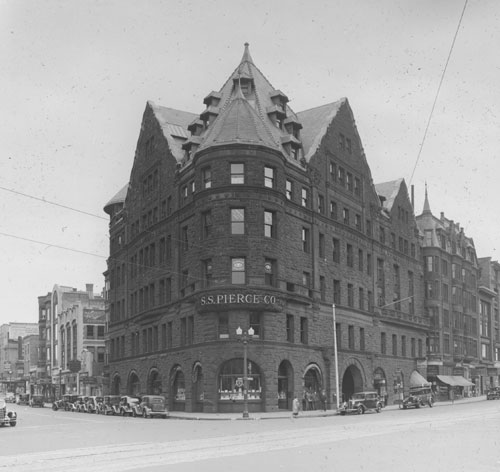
<point x="245" y="337"/>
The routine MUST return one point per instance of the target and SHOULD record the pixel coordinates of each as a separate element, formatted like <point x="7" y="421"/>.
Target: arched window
<point x="231" y="380"/>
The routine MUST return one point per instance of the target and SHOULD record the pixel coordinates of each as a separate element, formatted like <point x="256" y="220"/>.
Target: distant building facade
<point x="250" y="215"/>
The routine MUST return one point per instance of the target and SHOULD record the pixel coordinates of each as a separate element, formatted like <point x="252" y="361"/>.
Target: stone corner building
<point x="252" y="215"/>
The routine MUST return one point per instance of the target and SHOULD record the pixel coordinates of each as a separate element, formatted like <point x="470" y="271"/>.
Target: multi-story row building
<point x="72" y="342"/>
<point x="249" y="215"/>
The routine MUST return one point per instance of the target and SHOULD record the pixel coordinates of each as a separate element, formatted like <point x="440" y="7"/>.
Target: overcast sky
<point x="75" y="77"/>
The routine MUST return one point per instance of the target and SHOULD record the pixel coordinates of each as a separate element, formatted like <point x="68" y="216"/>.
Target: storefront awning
<point x="455" y="380"/>
<point x="416" y="380"/>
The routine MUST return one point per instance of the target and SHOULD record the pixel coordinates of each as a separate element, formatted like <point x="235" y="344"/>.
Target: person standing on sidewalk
<point x="295" y="407"/>
<point x="323" y="398"/>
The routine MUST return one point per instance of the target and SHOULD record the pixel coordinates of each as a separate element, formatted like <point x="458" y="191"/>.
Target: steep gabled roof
<point x="389" y="190"/>
<point x="118" y="198"/>
<point x="174" y="125"/>
<point x="315" y="124"/>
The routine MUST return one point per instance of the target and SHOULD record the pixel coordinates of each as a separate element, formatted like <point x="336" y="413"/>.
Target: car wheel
<point x="13" y="423"/>
<point x="144" y="415"/>
<point x="123" y="412"/>
<point x="360" y="410"/>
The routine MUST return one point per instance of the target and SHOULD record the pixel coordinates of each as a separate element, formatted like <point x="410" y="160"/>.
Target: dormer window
<point x="212" y="99"/>
<point x="279" y="99"/>
<point x="293" y="127"/>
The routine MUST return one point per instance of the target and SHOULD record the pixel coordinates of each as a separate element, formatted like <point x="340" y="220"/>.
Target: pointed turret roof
<point x="427" y="207"/>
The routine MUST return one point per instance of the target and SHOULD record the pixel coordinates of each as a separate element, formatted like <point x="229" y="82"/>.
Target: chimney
<point x="89" y="288"/>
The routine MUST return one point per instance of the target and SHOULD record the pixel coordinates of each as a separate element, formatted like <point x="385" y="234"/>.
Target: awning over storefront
<point x="416" y="380"/>
<point x="455" y="380"/>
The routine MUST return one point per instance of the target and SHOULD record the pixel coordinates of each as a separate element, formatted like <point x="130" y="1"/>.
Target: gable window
<point x="237" y="221"/>
<point x="238" y="270"/>
<point x="341" y="142"/>
<point x="237" y="174"/>
<point x="269" y="177"/>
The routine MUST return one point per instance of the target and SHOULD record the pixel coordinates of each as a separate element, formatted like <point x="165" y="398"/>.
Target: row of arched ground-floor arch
<point x="200" y="388"/>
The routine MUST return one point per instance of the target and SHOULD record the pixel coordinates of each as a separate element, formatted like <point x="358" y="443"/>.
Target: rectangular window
<point x="206" y="224"/>
<point x="305" y="197"/>
<point x="256" y="324"/>
<point x="349" y="182"/>
<point x="306" y="240"/>
<point x="238" y="274"/>
<point x="237" y="221"/>
<point x="164" y="336"/>
<point x="333" y="210"/>
<point x="383" y="343"/>
<point x="345" y="216"/>
<point x="413" y="347"/>
<point x="185" y="241"/>
<point x="207" y="177"/>
<point x="223" y="325"/>
<point x="237" y="174"/>
<point x="361" y="295"/>
<point x="336" y="250"/>
<point x="350" y="333"/>
<point x="338" y="329"/>
<point x="207" y="273"/>
<point x="321" y="248"/>
<point x="183" y="331"/>
<point x="333" y="172"/>
<point x="270" y="272"/>
<point x="289" y="328"/>
<point x="394" y="345"/>
<point x="269" y="177"/>
<point x="303" y="330"/>
<point x="322" y="288"/>
<point x="336" y="292"/>
<point x="403" y="346"/>
<point x="357" y="222"/>
<point x="341" y="142"/>
<point x="361" y="339"/>
<point x="90" y="331"/>
<point x="357" y="186"/>
<point x="349" y="256"/>
<point x="269" y="224"/>
<point x="321" y="204"/>
<point x="360" y="260"/>
<point x="350" y="295"/>
<point x="289" y="189"/>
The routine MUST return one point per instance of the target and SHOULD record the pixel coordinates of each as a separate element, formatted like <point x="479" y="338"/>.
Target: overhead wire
<point x="437" y="93"/>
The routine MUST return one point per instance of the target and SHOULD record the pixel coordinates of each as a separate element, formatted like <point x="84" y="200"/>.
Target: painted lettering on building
<point x="238" y="298"/>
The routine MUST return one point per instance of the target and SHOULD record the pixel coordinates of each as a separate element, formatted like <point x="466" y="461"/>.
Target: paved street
<point x="463" y="436"/>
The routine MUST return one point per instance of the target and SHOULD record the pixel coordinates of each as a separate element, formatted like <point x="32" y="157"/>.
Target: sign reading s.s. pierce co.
<point x="251" y="300"/>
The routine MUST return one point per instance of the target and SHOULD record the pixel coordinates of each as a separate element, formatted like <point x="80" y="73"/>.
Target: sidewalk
<point x="285" y="414"/>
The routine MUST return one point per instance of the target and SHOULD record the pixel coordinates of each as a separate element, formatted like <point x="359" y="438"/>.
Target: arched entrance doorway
<point x="154" y="383"/>
<point x="352" y="382"/>
<point x="380" y="384"/>
<point x="313" y="385"/>
<point x="115" y="385"/>
<point x="285" y="386"/>
<point x="197" y="389"/>
<point x="178" y="385"/>
<point x="134" y="385"/>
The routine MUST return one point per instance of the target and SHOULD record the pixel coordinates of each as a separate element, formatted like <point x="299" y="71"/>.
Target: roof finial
<point x="427" y="207"/>
<point x="246" y="54"/>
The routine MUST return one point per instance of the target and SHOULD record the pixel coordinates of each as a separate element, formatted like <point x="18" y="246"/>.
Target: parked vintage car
<point x="419" y="396"/>
<point x="10" y="397"/>
<point x="23" y="399"/>
<point x="69" y="402"/>
<point x="493" y="394"/>
<point x="128" y="405"/>
<point x="152" y="406"/>
<point x="93" y="404"/>
<point x="362" y="402"/>
<point x="7" y="417"/>
<point x="37" y="400"/>
<point x="81" y="404"/>
<point x="110" y="405"/>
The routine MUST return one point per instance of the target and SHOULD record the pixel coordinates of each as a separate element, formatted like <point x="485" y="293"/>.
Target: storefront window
<point x="231" y="381"/>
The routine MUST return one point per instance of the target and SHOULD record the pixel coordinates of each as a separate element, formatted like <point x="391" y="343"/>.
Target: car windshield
<point x="358" y="396"/>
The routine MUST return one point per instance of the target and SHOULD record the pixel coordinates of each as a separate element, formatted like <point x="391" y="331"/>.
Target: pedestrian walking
<point x="295" y="407"/>
<point x="323" y="398"/>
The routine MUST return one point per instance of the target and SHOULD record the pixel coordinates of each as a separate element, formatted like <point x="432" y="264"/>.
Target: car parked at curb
<point x="37" y="400"/>
<point x="362" y="402"/>
<point x="128" y="405"/>
<point x="110" y="405"/>
<point x="153" y="406"/>
<point x="419" y="396"/>
<point x="7" y="417"/>
<point x="493" y="394"/>
<point x="94" y="404"/>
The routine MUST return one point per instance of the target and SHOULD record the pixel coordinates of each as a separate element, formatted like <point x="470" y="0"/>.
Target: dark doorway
<point x="352" y="382"/>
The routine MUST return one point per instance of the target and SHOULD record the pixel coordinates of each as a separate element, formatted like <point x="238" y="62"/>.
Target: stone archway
<point x="197" y="387"/>
<point x="154" y="386"/>
<point x="115" y="385"/>
<point x="352" y="382"/>
<point x="285" y="385"/>
<point x="178" y="389"/>
<point x="133" y="385"/>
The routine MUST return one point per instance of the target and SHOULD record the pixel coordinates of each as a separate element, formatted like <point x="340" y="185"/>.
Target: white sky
<point x="75" y="76"/>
